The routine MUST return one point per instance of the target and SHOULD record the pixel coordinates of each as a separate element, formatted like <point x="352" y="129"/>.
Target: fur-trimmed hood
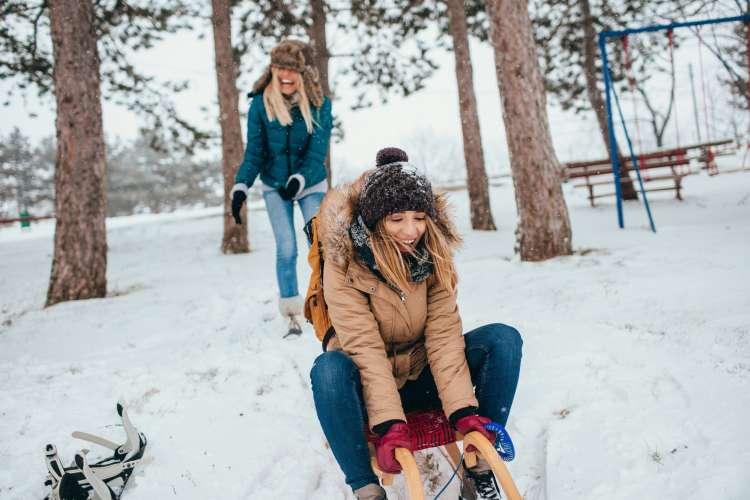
<point x="337" y="213"/>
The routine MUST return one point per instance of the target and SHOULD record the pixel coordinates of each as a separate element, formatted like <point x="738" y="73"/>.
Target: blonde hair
<point x="393" y="267"/>
<point x="276" y="107"/>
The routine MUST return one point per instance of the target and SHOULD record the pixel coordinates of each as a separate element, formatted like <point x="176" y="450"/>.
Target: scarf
<point x="291" y="101"/>
<point x="418" y="263"/>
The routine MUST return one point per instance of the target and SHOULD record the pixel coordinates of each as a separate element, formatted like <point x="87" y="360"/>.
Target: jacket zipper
<point x="288" y="154"/>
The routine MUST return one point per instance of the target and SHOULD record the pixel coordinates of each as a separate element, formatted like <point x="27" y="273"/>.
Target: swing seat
<point x="430" y="429"/>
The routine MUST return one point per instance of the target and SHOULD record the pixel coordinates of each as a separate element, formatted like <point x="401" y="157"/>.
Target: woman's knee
<point x="286" y="250"/>
<point x="332" y="369"/>
<point x="500" y="335"/>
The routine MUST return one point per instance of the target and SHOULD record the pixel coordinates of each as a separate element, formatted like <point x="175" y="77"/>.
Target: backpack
<point x="316" y="310"/>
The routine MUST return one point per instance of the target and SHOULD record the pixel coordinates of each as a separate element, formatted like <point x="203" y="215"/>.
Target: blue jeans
<point x="281" y="214"/>
<point x="493" y="353"/>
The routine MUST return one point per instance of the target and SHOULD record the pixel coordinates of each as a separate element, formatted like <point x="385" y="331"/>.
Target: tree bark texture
<point x="235" y="238"/>
<point x="595" y="96"/>
<point x="476" y="176"/>
<point x="543" y="224"/>
<point x="318" y="36"/>
<point x="79" y="265"/>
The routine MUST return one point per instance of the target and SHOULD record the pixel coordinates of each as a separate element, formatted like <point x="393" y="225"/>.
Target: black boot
<point x="479" y="483"/>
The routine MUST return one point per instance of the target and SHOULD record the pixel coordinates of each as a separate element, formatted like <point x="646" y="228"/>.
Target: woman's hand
<point x="397" y="436"/>
<point x="470" y="423"/>
<point x="238" y="198"/>
<point x="291" y="189"/>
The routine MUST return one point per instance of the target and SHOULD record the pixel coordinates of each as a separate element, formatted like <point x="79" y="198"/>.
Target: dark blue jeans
<point x="494" y="356"/>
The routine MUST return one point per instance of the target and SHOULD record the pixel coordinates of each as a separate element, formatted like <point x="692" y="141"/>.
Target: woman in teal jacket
<point x="288" y="132"/>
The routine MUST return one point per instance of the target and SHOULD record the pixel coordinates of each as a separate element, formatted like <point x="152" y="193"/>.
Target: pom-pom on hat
<point x="390" y="155"/>
<point x="394" y="186"/>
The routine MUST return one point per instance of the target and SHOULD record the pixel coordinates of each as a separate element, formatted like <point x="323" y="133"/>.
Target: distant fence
<point x="30" y="218"/>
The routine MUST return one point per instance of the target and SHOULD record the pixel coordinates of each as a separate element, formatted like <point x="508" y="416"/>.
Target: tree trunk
<point x="595" y="96"/>
<point x="318" y="36"/>
<point x="747" y="56"/>
<point x="543" y="224"/>
<point x="235" y="235"/>
<point x="79" y="265"/>
<point x="479" y="197"/>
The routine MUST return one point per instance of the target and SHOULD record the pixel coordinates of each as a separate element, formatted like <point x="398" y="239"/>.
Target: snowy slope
<point x="635" y="380"/>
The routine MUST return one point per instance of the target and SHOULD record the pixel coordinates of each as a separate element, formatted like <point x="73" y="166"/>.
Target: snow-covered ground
<point x="635" y="382"/>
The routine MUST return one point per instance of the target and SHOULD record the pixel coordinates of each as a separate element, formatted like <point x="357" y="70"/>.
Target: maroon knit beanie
<point x="394" y="186"/>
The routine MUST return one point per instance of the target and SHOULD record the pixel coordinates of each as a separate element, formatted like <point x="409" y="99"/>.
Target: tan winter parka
<point x="391" y="337"/>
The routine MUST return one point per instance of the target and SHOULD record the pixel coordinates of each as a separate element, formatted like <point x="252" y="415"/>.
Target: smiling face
<point x="288" y="80"/>
<point x="407" y="228"/>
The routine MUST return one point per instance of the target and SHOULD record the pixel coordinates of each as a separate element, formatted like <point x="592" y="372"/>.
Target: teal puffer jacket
<point x="277" y="152"/>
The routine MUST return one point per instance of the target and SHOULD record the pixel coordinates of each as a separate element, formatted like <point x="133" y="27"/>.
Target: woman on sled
<point x="390" y="286"/>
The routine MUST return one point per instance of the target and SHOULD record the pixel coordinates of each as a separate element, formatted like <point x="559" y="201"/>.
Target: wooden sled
<point x="431" y="429"/>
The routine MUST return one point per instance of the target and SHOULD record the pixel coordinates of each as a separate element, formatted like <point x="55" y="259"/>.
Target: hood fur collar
<point x="337" y="211"/>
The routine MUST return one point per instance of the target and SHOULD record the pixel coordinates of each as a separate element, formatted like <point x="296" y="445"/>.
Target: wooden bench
<point x="660" y="170"/>
<point x="663" y="170"/>
<point x="30" y="218"/>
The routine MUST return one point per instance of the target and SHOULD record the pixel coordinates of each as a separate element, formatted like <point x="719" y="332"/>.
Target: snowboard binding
<point x="103" y="480"/>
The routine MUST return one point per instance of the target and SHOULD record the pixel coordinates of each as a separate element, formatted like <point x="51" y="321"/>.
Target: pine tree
<point x="122" y="29"/>
<point x="318" y="36"/>
<point x="543" y="224"/>
<point x="479" y="197"/>
<point x="566" y="33"/>
<point x="79" y="265"/>
<point x="391" y="27"/>
<point x="26" y="175"/>
<point x="731" y="50"/>
<point x="143" y="180"/>
<point x="235" y="239"/>
<point x="115" y="29"/>
<point x="738" y="80"/>
<point x="20" y="158"/>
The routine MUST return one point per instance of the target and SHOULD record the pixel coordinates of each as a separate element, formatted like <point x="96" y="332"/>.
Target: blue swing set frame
<point x="611" y="91"/>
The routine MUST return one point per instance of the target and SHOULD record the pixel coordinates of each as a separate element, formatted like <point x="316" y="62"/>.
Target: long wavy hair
<point x="276" y="108"/>
<point x="393" y="267"/>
